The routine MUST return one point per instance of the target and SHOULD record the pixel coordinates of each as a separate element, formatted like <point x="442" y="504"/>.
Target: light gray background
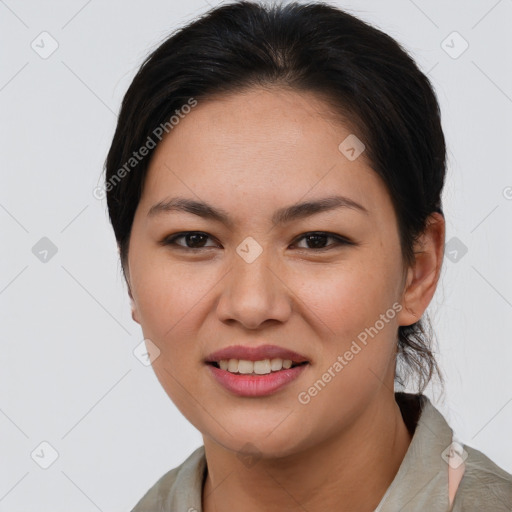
<point x="68" y="375"/>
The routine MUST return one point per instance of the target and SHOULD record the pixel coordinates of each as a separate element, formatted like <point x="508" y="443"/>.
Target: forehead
<point x="279" y="120"/>
<point x="260" y="143"/>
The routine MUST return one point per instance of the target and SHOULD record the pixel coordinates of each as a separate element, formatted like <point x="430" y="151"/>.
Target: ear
<point x="135" y="312"/>
<point x="423" y="274"/>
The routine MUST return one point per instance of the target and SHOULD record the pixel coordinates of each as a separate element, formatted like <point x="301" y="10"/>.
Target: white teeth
<point x="261" y="367"/>
<point x="245" y="366"/>
<point x="276" y="364"/>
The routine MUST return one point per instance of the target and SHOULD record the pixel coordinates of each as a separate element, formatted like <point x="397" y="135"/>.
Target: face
<point x="317" y="284"/>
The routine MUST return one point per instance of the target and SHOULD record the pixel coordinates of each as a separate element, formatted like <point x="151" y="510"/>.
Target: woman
<point x="274" y="184"/>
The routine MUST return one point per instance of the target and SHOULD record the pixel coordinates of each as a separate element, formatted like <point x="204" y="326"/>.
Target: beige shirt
<point x="421" y="483"/>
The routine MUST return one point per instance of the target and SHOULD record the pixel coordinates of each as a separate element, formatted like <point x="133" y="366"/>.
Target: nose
<point x="254" y="293"/>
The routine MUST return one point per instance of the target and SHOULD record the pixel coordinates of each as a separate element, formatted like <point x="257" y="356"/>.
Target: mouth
<point x="253" y="379"/>
<point x="255" y="368"/>
<point x="255" y="371"/>
<point x="264" y="358"/>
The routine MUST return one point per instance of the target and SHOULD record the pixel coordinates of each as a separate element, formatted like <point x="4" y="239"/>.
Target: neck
<point x="351" y="471"/>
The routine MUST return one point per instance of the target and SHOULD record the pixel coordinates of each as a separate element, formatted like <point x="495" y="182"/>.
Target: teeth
<point x="245" y="366"/>
<point x="262" y="367"/>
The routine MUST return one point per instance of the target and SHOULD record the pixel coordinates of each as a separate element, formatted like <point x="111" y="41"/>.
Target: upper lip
<point x="251" y="353"/>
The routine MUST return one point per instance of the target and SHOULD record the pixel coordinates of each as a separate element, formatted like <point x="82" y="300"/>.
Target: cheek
<point x="168" y="296"/>
<point x="353" y="305"/>
<point x="348" y="298"/>
<point x="357" y="352"/>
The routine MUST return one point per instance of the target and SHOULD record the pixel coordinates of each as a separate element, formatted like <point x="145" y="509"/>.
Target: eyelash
<point x="339" y="240"/>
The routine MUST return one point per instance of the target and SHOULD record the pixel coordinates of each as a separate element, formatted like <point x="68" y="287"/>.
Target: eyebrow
<point x="281" y="216"/>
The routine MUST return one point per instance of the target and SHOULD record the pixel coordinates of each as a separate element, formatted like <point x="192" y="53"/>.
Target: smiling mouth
<point x="261" y="367"/>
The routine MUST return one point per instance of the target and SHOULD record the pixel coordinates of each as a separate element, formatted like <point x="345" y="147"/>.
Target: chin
<point x="266" y="441"/>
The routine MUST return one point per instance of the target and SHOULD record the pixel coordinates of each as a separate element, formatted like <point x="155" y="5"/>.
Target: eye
<point x="193" y="239"/>
<point x="318" y="238"/>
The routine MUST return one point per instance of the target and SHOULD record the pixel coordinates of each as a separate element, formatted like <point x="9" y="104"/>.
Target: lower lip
<point x="256" y="385"/>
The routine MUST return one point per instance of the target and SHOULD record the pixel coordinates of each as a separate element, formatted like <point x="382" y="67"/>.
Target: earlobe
<point x="423" y="274"/>
<point x="135" y="315"/>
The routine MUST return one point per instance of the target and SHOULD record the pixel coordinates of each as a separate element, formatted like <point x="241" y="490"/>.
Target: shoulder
<point x="484" y="486"/>
<point x="182" y="483"/>
<point x="422" y="481"/>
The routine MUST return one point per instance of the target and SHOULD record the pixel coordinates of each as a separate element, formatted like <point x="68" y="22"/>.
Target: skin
<point x="251" y="153"/>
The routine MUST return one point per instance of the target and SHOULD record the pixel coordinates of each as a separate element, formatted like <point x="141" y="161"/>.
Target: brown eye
<point x="318" y="240"/>
<point x="193" y="240"/>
